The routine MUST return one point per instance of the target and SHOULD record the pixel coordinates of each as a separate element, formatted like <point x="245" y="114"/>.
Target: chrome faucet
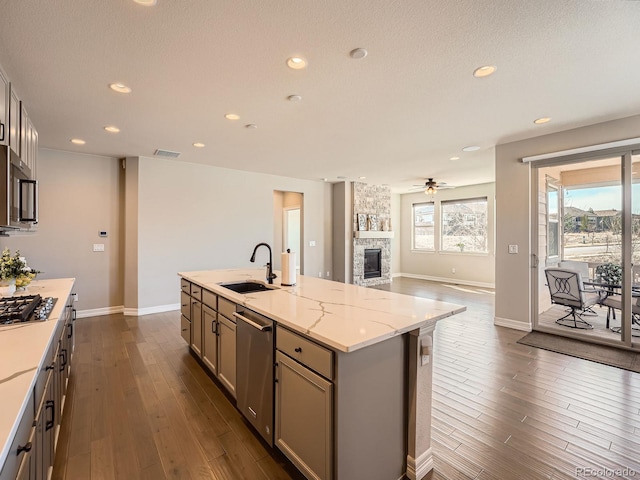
<point x="270" y="274"/>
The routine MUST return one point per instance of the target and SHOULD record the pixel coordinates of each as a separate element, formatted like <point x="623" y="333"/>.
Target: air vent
<point x="166" y="153"/>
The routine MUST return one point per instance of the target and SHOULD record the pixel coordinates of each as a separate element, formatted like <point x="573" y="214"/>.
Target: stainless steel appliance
<point x="25" y="308"/>
<point x="254" y="367"/>
<point x="18" y="192"/>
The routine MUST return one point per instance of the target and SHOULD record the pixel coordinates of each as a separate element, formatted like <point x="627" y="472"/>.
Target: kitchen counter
<point x="23" y="347"/>
<point x="341" y="316"/>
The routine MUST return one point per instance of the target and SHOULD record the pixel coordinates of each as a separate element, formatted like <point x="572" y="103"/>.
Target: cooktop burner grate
<point x="25" y="308"/>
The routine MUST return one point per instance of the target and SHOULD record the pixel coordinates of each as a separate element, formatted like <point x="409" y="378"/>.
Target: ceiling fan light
<point x="430" y="191"/>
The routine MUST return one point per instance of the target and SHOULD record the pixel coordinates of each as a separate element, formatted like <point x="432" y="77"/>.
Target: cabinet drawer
<point x="305" y="351"/>
<point x="185" y="286"/>
<point x="185" y="329"/>
<point x="23" y="436"/>
<point x="185" y="305"/>
<point x="196" y="291"/>
<point x="227" y="308"/>
<point x="210" y="299"/>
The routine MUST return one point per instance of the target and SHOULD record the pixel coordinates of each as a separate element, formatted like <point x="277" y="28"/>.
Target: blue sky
<point x="600" y="198"/>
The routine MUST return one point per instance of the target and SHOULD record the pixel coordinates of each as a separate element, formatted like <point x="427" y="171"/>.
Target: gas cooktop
<point x="25" y="308"/>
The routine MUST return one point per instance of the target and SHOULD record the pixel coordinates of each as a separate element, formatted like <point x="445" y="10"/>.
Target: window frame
<point x="414" y="226"/>
<point x="466" y="220"/>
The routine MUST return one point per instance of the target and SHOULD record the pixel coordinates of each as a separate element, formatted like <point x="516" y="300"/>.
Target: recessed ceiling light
<point x="341" y="177"/>
<point x="362" y="178"/>
<point x="120" y="88"/>
<point x="484" y="71"/>
<point x="471" y="148"/>
<point x="146" y="3"/>
<point x="251" y="125"/>
<point x="297" y="63"/>
<point x="294" y="98"/>
<point x="198" y="145"/>
<point x="325" y="179"/>
<point x="541" y="120"/>
<point x="454" y="158"/>
<point x="112" y="129"/>
<point x="358" y="53"/>
<point x="232" y="116"/>
<point x="78" y="141"/>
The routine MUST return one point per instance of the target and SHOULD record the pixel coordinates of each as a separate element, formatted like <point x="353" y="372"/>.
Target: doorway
<point x="288" y="216"/>
<point x="588" y="212"/>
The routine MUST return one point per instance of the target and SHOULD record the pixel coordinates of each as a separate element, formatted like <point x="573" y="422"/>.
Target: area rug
<point x="588" y="351"/>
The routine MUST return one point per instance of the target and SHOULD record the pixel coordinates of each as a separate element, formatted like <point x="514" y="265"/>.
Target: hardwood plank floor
<point x="140" y="406"/>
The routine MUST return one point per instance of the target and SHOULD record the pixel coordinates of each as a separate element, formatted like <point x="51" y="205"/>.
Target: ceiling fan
<point x="430" y="187"/>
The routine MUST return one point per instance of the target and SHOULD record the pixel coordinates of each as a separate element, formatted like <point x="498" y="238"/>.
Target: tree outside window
<point x="423" y="226"/>
<point x="464" y="225"/>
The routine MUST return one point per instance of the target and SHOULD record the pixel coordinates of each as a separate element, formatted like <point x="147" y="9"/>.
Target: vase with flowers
<point x="14" y="272"/>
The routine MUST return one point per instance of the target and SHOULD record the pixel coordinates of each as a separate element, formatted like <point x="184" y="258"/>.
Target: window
<point x="464" y="225"/>
<point x="423" y="226"/>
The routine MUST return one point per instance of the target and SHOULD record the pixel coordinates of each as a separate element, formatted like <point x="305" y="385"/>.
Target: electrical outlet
<point x="320" y="274"/>
<point x="328" y="274"/>
<point x="453" y="270"/>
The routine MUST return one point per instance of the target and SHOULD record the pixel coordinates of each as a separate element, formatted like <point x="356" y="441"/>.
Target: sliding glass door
<point x="588" y="212"/>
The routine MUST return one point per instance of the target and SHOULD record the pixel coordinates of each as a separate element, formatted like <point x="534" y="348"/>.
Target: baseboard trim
<point x="457" y="281"/>
<point x="514" y="324"/>
<point x="96" y="312"/>
<point x="138" y="312"/>
<point x="418" y="468"/>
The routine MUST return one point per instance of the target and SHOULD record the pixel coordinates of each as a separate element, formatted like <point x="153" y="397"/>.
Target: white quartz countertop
<point x="341" y="316"/>
<point x="22" y="350"/>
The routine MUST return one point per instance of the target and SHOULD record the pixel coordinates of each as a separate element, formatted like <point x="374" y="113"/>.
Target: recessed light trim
<point x="454" y="158"/>
<point x="294" y="98"/>
<point x="251" y="126"/>
<point x="146" y="3"/>
<point x="296" y="63"/>
<point x="112" y="129"/>
<point x="361" y="178"/>
<point x="77" y="141"/>
<point x="120" y="88"/>
<point x="541" y="120"/>
<point x="232" y="116"/>
<point x="484" y="71"/>
<point x="199" y="145"/>
<point x="471" y="148"/>
<point x="341" y="177"/>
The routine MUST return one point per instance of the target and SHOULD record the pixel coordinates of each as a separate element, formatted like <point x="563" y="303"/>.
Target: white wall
<point x="470" y="268"/>
<point x="197" y="217"/>
<point x="80" y="195"/>
<point x="514" y="211"/>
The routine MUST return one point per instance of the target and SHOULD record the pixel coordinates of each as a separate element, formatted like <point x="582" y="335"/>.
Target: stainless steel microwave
<point x="18" y="193"/>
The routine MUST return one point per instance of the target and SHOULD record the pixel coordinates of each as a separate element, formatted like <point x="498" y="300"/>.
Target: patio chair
<point x="583" y="269"/>
<point x="566" y="288"/>
<point x="615" y="302"/>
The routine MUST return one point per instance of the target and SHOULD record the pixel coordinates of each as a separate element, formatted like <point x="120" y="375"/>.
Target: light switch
<point x="98" y="247"/>
<point x="312" y="243"/>
<point x="513" y="248"/>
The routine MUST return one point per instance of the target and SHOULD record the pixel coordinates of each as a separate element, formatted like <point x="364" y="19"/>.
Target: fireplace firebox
<point x="372" y="263"/>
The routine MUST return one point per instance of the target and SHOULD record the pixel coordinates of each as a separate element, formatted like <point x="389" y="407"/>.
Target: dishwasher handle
<point x="262" y="328"/>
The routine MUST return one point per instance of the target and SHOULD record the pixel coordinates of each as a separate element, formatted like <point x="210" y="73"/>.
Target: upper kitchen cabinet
<point x="28" y="142"/>
<point x="4" y="109"/>
<point x="14" y="121"/>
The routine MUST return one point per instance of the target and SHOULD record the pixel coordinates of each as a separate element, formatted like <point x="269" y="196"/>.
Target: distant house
<point x="577" y="220"/>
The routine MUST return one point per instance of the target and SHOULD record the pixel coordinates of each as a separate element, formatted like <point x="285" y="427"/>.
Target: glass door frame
<point x="625" y="155"/>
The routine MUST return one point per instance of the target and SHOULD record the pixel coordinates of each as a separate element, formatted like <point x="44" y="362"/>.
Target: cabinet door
<point x="227" y="354"/>
<point x="185" y="305"/>
<point x="24" y="141"/>
<point x="304" y="418"/>
<point x="210" y="338"/>
<point x="14" y="122"/>
<point x="34" y="151"/>
<point x="4" y="109"/>
<point x="185" y="329"/>
<point x="196" y="326"/>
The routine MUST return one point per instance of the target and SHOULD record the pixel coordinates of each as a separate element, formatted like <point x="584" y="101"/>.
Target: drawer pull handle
<point x="50" y="404"/>
<point x="185" y="329"/>
<point x="298" y="349"/>
<point x="185" y="304"/>
<point x="26" y="448"/>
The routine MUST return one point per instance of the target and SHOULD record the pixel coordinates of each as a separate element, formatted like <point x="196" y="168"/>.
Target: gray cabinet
<point x="210" y="338"/>
<point x="227" y="354"/>
<point x="14" y="121"/>
<point x="4" y="109"/>
<point x="304" y="417"/>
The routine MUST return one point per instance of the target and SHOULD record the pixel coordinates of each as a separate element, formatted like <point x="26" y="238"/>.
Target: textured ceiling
<point x="395" y="116"/>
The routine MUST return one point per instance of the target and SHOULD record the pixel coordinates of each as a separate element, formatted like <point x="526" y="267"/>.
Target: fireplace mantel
<point x="372" y="234"/>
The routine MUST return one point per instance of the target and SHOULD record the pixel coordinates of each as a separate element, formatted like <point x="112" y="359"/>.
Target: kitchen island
<point x="33" y="373"/>
<point x="352" y="369"/>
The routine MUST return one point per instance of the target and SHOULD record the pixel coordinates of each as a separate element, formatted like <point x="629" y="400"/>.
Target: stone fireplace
<point x="372" y="248"/>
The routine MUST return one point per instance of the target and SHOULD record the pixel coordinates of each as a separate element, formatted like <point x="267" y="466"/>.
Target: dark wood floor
<point x="141" y="407"/>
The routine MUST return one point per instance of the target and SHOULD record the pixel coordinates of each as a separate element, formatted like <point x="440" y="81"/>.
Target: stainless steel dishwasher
<point x="254" y="370"/>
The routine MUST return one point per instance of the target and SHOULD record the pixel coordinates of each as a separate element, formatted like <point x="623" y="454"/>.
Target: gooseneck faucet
<point x="270" y="274"/>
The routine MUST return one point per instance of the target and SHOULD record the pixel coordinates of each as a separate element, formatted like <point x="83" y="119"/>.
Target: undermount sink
<point x="248" y="287"/>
